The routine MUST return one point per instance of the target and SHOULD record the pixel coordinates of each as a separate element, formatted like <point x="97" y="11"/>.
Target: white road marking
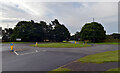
<point x="32" y="52"/>
<point x="36" y="51"/>
<point x="27" y="53"/>
<point x="44" y="50"/>
<point x="16" y="53"/>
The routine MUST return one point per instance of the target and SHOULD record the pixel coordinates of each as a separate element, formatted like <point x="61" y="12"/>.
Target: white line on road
<point x="36" y="51"/>
<point x="44" y="50"/>
<point x="16" y="53"/>
<point x="29" y="52"/>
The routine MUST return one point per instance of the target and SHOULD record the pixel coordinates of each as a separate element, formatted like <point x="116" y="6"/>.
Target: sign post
<point x="18" y="39"/>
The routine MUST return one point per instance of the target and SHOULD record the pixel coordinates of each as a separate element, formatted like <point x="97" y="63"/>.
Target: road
<point x="29" y="58"/>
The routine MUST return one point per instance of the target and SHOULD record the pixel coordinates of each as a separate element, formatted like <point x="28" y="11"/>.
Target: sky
<point x="72" y="14"/>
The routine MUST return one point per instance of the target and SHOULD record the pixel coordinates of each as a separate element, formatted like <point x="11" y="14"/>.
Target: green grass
<point x="61" y="45"/>
<point x="109" y="56"/>
<point x="60" y="70"/>
<point x="113" y="43"/>
<point x="114" y="70"/>
<point x="106" y="42"/>
<point x="65" y="41"/>
<point x="14" y="42"/>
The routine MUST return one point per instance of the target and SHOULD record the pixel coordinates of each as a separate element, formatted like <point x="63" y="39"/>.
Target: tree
<point x="76" y="36"/>
<point x="93" y="31"/>
<point x="32" y="31"/>
<point x="60" y="32"/>
<point x="6" y="33"/>
<point x="116" y="35"/>
<point x="29" y="31"/>
<point x="22" y="30"/>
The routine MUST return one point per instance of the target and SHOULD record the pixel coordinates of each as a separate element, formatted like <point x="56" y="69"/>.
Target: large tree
<point x="6" y="33"/>
<point x="60" y="32"/>
<point x="93" y="31"/>
<point x="31" y="31"/>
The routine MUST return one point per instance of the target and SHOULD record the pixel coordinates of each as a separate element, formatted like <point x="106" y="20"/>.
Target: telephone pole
<point x="7" y="26"/>
<point x="93" y="19"/>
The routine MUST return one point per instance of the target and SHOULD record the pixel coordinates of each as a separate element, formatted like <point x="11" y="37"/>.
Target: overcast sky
<point x="72" y="14"/>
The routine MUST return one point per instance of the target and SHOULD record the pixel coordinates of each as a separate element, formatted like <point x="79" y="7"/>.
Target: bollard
<point x="75" y="42"/>
<point x="36" y="44"/>
<point x="11" y="46"/>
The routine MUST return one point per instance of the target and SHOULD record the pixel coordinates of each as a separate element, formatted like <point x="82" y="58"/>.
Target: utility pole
<point x="93" y="19"/>
<point x="7" y="26"/>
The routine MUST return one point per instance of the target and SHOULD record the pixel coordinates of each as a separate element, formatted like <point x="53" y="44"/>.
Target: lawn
<point x="13" y="42"/>
<point x="61" y="45"/>
<point x="114" y="70"/>
<point x="60" y="70"/>
<point x="109" y="56"/>
<point x="113" y="43"/>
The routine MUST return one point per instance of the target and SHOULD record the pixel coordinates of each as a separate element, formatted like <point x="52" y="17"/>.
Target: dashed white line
<point x="16" y="53"/>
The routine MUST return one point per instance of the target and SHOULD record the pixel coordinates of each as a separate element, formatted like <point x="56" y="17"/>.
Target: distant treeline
<point x="112" y="37"/>
<point x="30" y="31"/>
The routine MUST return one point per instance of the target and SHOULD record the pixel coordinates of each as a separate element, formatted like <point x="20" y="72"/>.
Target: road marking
<point x="36" y="51"/>
<point x="29" y="52"/>
<point x="43" y="50"/>
<point x="16" y="53"/>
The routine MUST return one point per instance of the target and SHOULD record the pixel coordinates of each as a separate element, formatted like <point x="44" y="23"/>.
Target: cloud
<point x="73" y="14"/>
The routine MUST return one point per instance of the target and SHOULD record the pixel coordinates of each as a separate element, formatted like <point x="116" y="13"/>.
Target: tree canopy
<point x="31" y="31"/>
<point x="93" y="31"/>
<point x="6" y="33"/>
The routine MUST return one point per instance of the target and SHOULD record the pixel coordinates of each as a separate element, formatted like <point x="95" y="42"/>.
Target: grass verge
<point x="61" y="45"/>
<point x="109" y="56"/>
<point x="60" y="70"/>
<point x="14" y="42"/>
<point x="112" y="43"/>
<point x="114" y="70"/>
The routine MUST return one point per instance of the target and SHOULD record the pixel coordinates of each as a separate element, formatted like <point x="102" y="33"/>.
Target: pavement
<point x="27" y="58"/>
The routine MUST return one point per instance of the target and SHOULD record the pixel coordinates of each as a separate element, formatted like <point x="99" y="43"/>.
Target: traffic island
<point x="61" y="45"/>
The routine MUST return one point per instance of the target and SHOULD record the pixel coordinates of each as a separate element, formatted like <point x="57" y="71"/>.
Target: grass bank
<point x="112" y="43"/>
<point x="60" y="70"/>
<point x="110" y="56"/>
<point x="14" y="42"/>
<point x="61" y="45"/>
<point x="114" y="70"/>
<point x="106" y="42"/>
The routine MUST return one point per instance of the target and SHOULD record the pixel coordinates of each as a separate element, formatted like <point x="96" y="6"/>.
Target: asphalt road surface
<point x="28" y="58"/>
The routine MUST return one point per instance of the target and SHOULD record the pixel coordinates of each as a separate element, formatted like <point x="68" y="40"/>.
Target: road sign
<point x="18" y="39"/>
